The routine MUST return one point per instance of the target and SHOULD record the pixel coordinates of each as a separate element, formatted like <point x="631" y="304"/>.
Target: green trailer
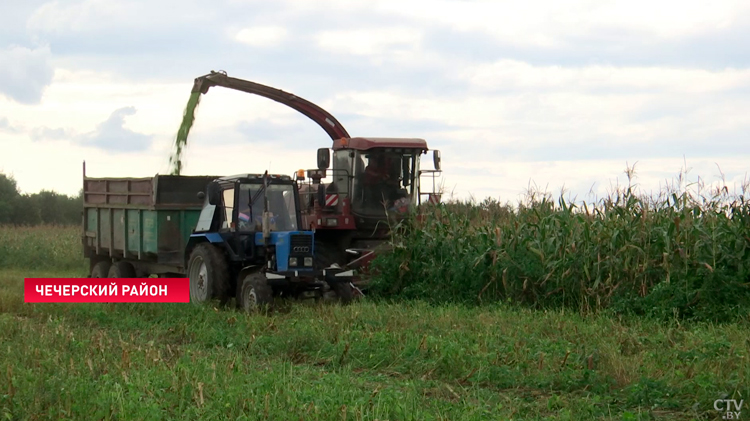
<point x="138" y="227"/>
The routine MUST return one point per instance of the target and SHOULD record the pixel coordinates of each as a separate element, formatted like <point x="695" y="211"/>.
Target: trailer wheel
<point x="101" y="269"/>
<point x="208" y="274"/>
<point x="122" y="270"/>
<point x="254" y="292"/>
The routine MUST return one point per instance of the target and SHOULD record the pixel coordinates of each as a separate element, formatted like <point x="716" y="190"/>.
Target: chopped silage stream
<point x="180" y="143"/>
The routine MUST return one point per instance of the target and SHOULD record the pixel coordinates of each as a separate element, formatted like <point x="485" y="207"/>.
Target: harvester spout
<point x="323" y="118"/>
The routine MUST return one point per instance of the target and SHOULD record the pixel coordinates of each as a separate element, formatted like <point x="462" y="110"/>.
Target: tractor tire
<point x="326" y="254"/>
<point x="209" y="274"/>
<point x="101" y="269"/>
<point x="122" y="270"/>
<point x="253" y="293"/>
<point x="344" y="291"/>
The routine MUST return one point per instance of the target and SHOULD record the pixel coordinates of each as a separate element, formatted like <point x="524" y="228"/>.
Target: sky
<point x="563" y="96"/>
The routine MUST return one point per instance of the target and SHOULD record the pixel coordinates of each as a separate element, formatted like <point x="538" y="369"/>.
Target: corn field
<point x="41" y="247"/>
<point x="680" y="254"/>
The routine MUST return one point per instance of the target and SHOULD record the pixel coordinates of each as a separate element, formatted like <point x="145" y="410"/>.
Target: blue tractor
<point x="247" y="244"/>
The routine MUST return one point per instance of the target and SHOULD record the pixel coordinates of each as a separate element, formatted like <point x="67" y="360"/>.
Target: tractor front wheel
<point x="208" y="273"/>
<point x="253" y="292"/>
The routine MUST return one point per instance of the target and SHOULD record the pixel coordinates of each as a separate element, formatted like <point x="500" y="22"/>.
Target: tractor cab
<point x="247" y="243"/>
<point x="257" y="217"/>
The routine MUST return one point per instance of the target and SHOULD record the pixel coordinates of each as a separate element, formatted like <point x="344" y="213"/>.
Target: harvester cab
<point x="374" y="183"/>
<point x="370" y="178"/>
<point x="248" y="243"/>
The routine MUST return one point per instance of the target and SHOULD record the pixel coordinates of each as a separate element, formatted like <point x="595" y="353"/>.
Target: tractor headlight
<point x="308" y="261"/>
<point x="292" y="261"/>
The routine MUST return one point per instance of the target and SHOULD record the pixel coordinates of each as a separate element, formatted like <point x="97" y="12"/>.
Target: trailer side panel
<point x="142" y="220"/>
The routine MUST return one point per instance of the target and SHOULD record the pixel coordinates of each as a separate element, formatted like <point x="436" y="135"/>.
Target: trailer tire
<point x="122" y="270"/>
<point x="208" y="273"/>
<point x="253" y="293"/>
<point x="101" y="269"/>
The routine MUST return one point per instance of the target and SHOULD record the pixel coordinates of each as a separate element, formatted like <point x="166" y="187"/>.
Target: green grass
<point x="365" y="361"/>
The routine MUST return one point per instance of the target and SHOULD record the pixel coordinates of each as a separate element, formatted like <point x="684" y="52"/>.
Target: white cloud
<point x="112" y="135"/>
<point x="262" y="36"/>
<point x="55" y="17"/>
<point x="25" y="73"/>
<point x="248" y="158"/>
<point x="544" y="23"/>
<point x="80" y="16"/>
<point x="58" y="165"/>
<point x="81" y="99"/>
<point x="513" y="102"/>
<point x="514" y="74"/>
<point x="585" y="180"/>
<point x="369" y="42"/>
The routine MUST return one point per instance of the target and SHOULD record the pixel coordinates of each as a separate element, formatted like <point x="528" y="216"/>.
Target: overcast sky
<point x="543" y="92"/>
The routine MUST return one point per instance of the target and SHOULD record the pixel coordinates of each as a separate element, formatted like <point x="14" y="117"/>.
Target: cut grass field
<point x="364" y="361"/>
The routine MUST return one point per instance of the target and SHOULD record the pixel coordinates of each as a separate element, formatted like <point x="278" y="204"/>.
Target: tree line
<point x="45" y="207"/>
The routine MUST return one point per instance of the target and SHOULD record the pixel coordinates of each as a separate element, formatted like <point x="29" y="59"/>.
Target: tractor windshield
<point x="384" y="179"/>
<point x="281" y="204"/>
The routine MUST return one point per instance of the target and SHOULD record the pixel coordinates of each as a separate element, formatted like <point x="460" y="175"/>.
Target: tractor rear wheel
<point x="208" y="273"/>
<point x="253" y="292"/>
<point x="122" y="270"/>
<point x="101" y="269"/>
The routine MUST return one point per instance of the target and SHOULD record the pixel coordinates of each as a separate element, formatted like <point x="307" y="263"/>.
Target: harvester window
<point x="342" y="168"/>
<point x="383" y="179"/>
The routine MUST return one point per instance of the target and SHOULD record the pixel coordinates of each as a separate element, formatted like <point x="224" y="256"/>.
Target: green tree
<point x="8" y="197"/>
<point x="45" y="207"/>
<point x="26" y="211"/>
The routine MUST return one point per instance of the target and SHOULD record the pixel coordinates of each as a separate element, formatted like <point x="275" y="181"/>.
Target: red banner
<point x="107" y="290"/>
